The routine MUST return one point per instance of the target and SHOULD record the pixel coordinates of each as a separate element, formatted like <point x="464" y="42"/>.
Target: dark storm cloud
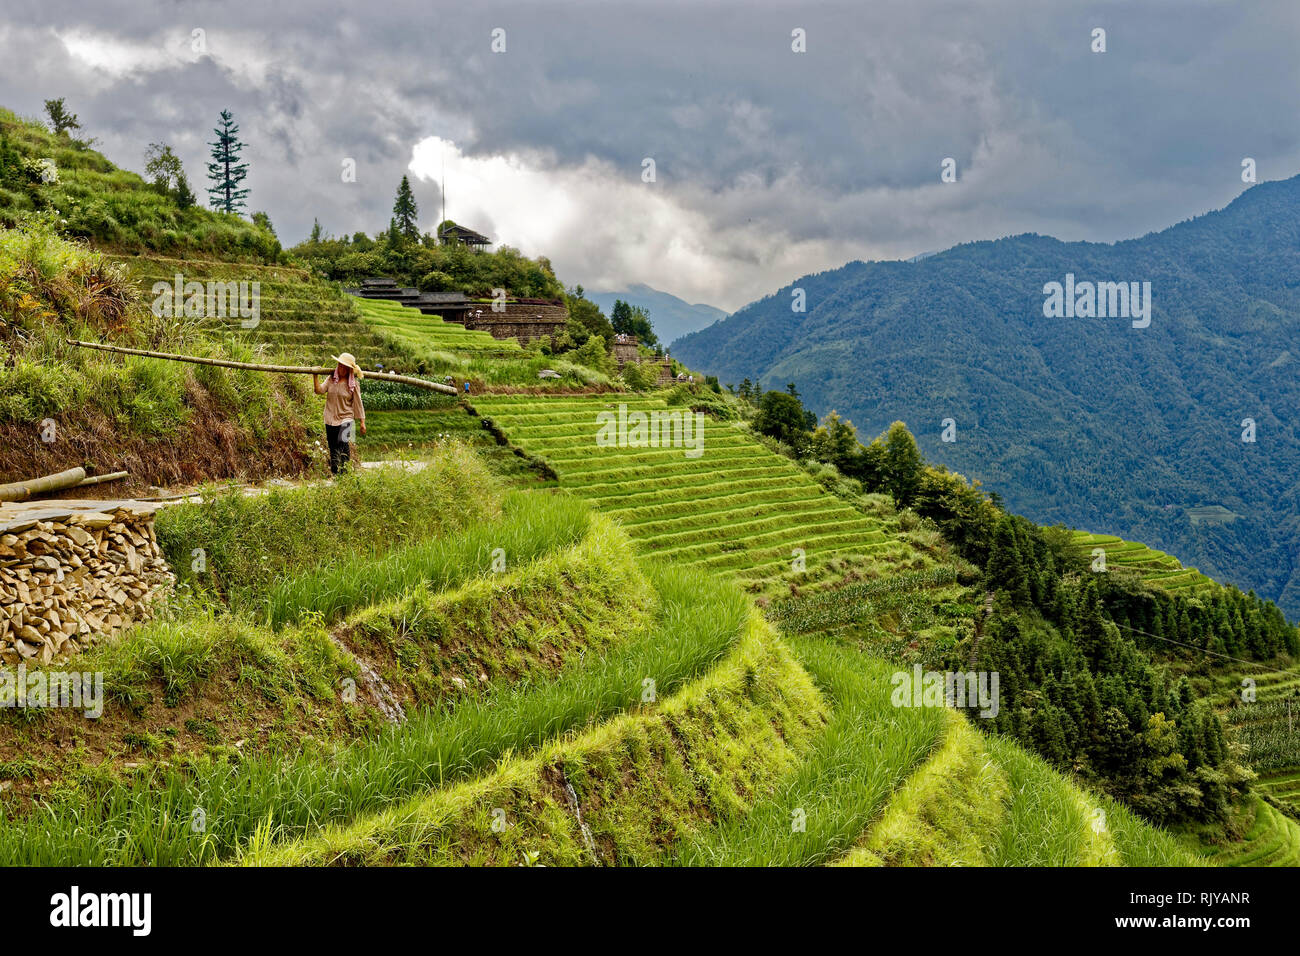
<point x="769" y="162"/>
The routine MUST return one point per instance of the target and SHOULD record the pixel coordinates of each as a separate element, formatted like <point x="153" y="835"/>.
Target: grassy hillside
<point x="514" y="643"/>
<point x="115" y="208"/>
<point x="164" y="422"/>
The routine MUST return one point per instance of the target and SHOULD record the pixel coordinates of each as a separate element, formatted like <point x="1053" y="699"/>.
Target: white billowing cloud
<point x="606" y="226"/>
<point x="113" y="58"/>
<point x="120" y="58"/>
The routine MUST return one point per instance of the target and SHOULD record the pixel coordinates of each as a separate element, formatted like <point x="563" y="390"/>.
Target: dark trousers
<point x="340" y="450"/>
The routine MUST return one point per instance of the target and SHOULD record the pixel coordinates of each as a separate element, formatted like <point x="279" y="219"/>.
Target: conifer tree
<point x="406" y="214"/>
<point x="226" y="171"/>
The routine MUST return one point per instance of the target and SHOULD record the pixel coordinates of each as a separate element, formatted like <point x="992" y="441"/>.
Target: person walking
<point x="343" y="409"/>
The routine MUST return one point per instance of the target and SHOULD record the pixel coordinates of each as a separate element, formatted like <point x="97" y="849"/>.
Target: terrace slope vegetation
<point x="1085" y="421"/>
<point x="417" y="665"/>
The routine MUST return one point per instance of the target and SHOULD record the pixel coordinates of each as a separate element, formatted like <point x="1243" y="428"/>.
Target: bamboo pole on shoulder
<point x="251" y="367"/>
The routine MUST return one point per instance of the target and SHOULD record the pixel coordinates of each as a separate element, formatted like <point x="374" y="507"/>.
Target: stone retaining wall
<point x="74" y="579"/>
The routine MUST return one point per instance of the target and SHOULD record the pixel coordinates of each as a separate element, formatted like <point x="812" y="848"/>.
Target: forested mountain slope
<point x="1087" y="421"/>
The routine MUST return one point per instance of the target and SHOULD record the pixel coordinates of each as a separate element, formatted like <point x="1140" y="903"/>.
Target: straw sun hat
<point x="348" y="359"/>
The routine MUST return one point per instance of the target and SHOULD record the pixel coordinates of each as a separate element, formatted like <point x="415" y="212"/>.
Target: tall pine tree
<point x="226" y="171"/>
<point x="405" y="212"/>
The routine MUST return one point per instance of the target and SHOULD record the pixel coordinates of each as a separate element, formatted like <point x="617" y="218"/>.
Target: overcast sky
<point x="768" y="163"/>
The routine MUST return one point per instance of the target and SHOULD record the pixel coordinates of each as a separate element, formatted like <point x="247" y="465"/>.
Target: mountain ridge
<point x="1050" y="411"/>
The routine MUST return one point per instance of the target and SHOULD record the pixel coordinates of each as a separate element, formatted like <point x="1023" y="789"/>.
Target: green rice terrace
<point x="1162" y="569"/>
<point x="1262" y="707"/>
<point x="520" y="635"/>
<point x="737" y="508"/>
<point x="505" y="678"/>
<point x="299" y="317"/>
<point x="524" y="647"/>
<point x="428" y="334"/>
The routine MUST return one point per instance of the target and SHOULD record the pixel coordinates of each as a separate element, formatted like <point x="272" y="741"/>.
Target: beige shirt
<point x="341" y="403"/>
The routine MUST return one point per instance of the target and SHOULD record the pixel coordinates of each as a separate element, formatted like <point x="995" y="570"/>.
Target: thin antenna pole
<point x="444" y="188"/>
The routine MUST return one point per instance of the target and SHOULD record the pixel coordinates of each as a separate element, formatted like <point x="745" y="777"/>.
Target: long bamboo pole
<point x="250" y="367"/>
<point x="22" y="490"/>
<point x="100" y="479"/>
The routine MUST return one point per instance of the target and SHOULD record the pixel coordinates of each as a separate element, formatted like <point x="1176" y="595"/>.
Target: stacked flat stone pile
<point x="71" y="578"/>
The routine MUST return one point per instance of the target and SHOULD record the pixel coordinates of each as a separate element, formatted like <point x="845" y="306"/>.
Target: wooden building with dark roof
<point x="451" y="232"/>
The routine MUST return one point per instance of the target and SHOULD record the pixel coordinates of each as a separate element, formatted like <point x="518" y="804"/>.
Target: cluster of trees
<point x="633" y="320"/>
<point x="1075" y="690"/>
<point x="421" y="260"/>
<point x="167" y="174"/>
<point x="891" y="463"/>
<point x="1076" y="651"/>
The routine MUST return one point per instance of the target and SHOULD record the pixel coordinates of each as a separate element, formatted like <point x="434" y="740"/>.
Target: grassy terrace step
<point x="714" y="499"/>
<point x="649" y="521"/>
<point x="275" y="320"/>
<point x="1272" y="839"/>
<point x="613" y="468"/>
<point x="686" y="627"/>
<point x="819" y="558"/>
<point x="741" y="548"/>
<point x="846" y="557"/>
<point x="744" y="523"/>
<point x="360" y="338"/>
<point x="737" y="508"/>
<point x="867" y="750"/>
<point x="684" y="487"/>
<point x="579" y="447"/>
<point x="592" y="465"/>
<point x="642" y="783"/>
<point x="1052" y="822"/>
<point x="1155" y="566"/>
<point x="951" y="812"/>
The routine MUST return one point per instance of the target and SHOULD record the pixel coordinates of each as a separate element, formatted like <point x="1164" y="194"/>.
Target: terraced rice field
<point x="1282" y="786"/>
<point x="301" y="319"/>
<point x="1273" y="839"/>
<point x="1268" y="727"/>
<point x="737" y="508"/>
<point x="419" y="334"/>
<point x="1155" y="566"/>
<point x="411" y="434"/>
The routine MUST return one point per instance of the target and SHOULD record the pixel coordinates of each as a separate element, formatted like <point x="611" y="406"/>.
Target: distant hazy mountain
<point x="671" y="317"/>
<point x="1088" y="421"/>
